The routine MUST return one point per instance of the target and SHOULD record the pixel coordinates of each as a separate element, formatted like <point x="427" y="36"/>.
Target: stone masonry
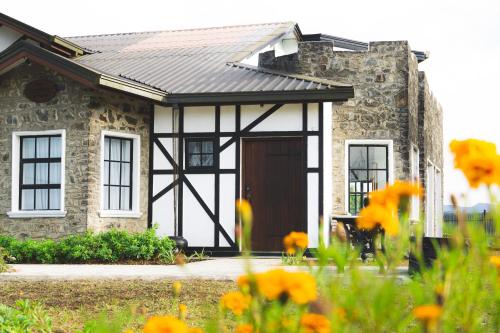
<point x="83" y="112"/>
<point x="390" y="102"/>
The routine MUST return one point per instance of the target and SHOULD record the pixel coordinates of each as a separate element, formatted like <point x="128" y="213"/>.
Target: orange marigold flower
<point x="274" y="284"/>
<point x="405" y="189"/>
<point x="195" y="330"/>
<point x="376" y="215"/>
<point x="182" y="311"/>
<point x="177" y="286"/>
<point x="428" y="314"/>
<point x="236" y="301"/>
<point x="478" y="160"/>
<point x="166" y="324"/>
<point x="495" y="260"/>
<point x="244" y="328"/>
<point x="301" y="287"/>
<point x="295" y="241"/>
<point x="315" y="323"/>
<point x="244" y="210"/>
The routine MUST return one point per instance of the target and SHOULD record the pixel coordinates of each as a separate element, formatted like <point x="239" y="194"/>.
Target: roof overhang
<point x="54" y="43"/>
<point x="339" y="94"/>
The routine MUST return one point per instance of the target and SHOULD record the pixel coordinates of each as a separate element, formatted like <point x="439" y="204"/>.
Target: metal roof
<point x="197" y="61"/>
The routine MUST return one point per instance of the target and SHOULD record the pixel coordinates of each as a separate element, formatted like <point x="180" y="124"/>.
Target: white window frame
<point x="415" y="200"/>
<point x="433" y="201"/>
<point x="136" y="177"/>
<point x="15" y="212"/>
<point x="390" y="158"/>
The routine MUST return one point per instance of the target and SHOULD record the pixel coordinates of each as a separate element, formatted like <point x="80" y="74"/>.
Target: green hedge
<point x="108" y="247"/>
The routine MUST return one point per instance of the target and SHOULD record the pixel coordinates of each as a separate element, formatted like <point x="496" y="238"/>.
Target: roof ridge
<point x="179" y="30"/>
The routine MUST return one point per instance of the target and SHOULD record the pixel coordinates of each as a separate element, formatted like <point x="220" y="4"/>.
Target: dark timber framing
<point x="235" y="137"/>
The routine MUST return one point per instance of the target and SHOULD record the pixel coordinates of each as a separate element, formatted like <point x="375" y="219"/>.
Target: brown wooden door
<point x="273" y="182"/>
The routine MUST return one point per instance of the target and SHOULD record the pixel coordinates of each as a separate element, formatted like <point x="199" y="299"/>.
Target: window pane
<point x="42" y="147"/>
<point x="114" y="177"/>
<point x="378" y="157"/>
<point x="208" y="147"/>
<point x="358" y="175"/>
<point x="105" y="197"/>
<point x="42" y="173"/>
<point x="126" y="150"/>
<point x="125" y="199"/>
<point x="357" y="157"/>
<point x="28" y="147"/>
<point x="28" y="173"/>
<point x="208" y="160"/>
<point x="378" y="179"/>
<point x="194" y="160"/>
<point x="106" y="173"/>
<point x="114" y="200"/>
<point x="125" y="174"/>
<point x="106" y="148"/>
<point x="55" y="173"/>
<point x="27" y="199"/>
<point x="55" y="199"/>
<point x="42" y="199"/>
<point x="115" y="149"/>
<point x="194" y="147"/>
<point x="55" y="147"/>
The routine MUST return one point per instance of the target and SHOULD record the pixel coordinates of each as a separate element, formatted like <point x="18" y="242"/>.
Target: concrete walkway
<point x="212" y="269"/>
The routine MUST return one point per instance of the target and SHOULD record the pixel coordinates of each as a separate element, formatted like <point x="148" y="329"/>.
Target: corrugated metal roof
<point x="196" y="60"/>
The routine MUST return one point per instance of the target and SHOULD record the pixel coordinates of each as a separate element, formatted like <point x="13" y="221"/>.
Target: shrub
<point x="108" y="247"/>
<point x="4" y="257"/>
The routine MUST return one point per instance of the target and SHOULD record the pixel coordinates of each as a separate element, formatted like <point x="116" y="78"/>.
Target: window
<point x="434" y="202"/>
<point x="415" y="177"/>
<point x="118" y="181"/>
<point x="38" y="174"/>
<point x="199" y="153"/>
<point x="368" y="170"/>
<point x="120" y="174"/>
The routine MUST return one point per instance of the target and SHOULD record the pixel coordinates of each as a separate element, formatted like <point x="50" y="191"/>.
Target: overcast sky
<point x="463" y="38"/>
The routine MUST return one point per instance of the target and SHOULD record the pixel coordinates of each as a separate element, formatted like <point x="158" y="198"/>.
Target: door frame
<point x="305" y="173"/>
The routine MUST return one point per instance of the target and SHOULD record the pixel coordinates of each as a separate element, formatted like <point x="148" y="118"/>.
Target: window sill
<point x="35" y="214"/>
<point x="120" y="214"/>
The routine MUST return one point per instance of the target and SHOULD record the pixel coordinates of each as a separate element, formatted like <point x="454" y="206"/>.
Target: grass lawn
<point x="71" y="303"/>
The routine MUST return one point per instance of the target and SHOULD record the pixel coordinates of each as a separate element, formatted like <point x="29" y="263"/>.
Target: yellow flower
<point x="428" y="314"/>
<point x="166" y="324"/>
<point x="315" y="323"/>
<point x="244" y="210"/>
<point x="182" y="311"/>
<point x="244" y="328"/>
<point x="177" y="286"/>
<point x="295" y="241"/>
<point x="276" y="284"/>
<point x="495" y="260"/>
<point x="478" y="160"/>
<point x="128" y="331"/>
<point x="236" y="302"/>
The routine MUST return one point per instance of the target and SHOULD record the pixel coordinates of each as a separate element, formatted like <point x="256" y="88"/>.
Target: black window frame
<point x="131" y="171"/>
<point x="362" y="193"/>
<point x="188" y="154"/>
<point x="36" y="161"/>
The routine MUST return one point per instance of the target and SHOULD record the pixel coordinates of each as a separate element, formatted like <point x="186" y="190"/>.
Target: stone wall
<point x="430" y="123"/>
<point x="83" y="112"/>
<point x="385" y="106"/>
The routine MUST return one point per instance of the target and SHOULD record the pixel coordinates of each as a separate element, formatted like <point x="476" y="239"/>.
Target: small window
<point x="118" y="164"/>
<point x="40" y="175"/>
<point x="368" y="171"/>
<point x="199" y="153"/>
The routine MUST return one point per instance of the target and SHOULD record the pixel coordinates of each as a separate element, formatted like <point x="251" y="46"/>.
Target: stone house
<point x="169" y="128"/>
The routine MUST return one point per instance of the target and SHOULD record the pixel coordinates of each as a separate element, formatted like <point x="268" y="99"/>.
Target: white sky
<point x="463" y="38"/>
